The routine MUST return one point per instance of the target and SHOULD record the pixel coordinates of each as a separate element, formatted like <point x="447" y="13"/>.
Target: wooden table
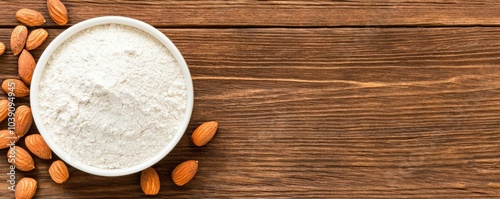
<point x="316" y="99"/>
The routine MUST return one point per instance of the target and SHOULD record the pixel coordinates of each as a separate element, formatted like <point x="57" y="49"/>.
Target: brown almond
<point x="37" y="146"/>
<point x="59" y="172"/>
<point x="18" y="39"/>
<point x="57" y="12"/>
<point x="24" y="119"/>
<point x="16" y="87"/>
<point x="2" y="48"/>
<point x="4" y="109"/>
<point x="150" y="181"/>
<point x="184" y="172"/>
<point x="26" y="66"/>
<point x="204" y="133"/>
<point x="30" y="17"/>
<point x="7" y="139"/>
<point x="36" y="38"/>
<point x="26" y="188"/>
<point x="20" y="158"/>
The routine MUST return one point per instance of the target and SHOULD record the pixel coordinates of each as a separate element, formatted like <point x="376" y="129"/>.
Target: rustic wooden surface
<point x="316" y="99"/>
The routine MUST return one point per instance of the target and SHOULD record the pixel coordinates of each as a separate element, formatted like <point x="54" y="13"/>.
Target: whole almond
<point x="37" y="146"/>
<point x="26" y="66"/>
<point x="20" y="158"/>
<point x="204" y="133"/>
<point x="18" y="39"/>
<point x="26" y="188"/>
<point x="150" y="181"/>
<point x="30" y="17"/>
<point x="7" y="139"/>
<point x="59" y="172"/>
<point x="2" y="48"/>
<point x="24" y="119"/>
<point x="36" y="38"/>
<point x="184" y="172"/>
<point x="57" y="12"/>
<point x="4" y="109"/>
<point x="15" y="86"/>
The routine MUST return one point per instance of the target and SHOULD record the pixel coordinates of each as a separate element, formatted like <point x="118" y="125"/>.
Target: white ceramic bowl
<point x="60" y="40"/>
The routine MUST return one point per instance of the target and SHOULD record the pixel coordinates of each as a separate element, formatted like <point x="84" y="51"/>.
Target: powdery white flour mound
<point x="112" y="96"/>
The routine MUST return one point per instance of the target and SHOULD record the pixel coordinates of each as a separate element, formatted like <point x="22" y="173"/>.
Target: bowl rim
<point x="60" y="39"/>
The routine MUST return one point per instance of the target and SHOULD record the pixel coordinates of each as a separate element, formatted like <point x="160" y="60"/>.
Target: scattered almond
<point x="4" y="109"/>
<point x="59" y="172"/>
<point x="184" y="172"/>
<point x="21" y="159"/>
<point x="7" y="139"/>
<point x="150" y="181"/>
<point x="2" y="48"/>
<point x="204" y="133"/>
<point x="18" y="39"/>
<point x="15" y="86"/>
<point x="24" y="119"/>
<point x="30" y="17"/>
<point x="26" y="66"/>
<point x="26" y="188"/>
<point x="57" y="12"/>
<point x="37" y="146"/>
<point x="36" y="38"/>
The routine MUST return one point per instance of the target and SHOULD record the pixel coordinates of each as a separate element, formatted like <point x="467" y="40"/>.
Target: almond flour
<point x="112" y="96"/>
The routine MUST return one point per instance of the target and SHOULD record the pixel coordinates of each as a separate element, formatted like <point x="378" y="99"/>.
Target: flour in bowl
<point x="112" y="96"/>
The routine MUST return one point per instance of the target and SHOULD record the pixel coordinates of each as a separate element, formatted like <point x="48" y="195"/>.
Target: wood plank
<point x="333" y="113"/>
<point x="220" y="13"/>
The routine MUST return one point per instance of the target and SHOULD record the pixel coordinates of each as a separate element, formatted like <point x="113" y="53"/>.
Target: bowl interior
<point x="37" y="76"/>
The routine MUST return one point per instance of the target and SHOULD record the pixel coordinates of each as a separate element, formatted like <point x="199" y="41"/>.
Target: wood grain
<point x="325" y="113"/>
<point x="254" y="13"/>
<point x="316" y="99"/>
